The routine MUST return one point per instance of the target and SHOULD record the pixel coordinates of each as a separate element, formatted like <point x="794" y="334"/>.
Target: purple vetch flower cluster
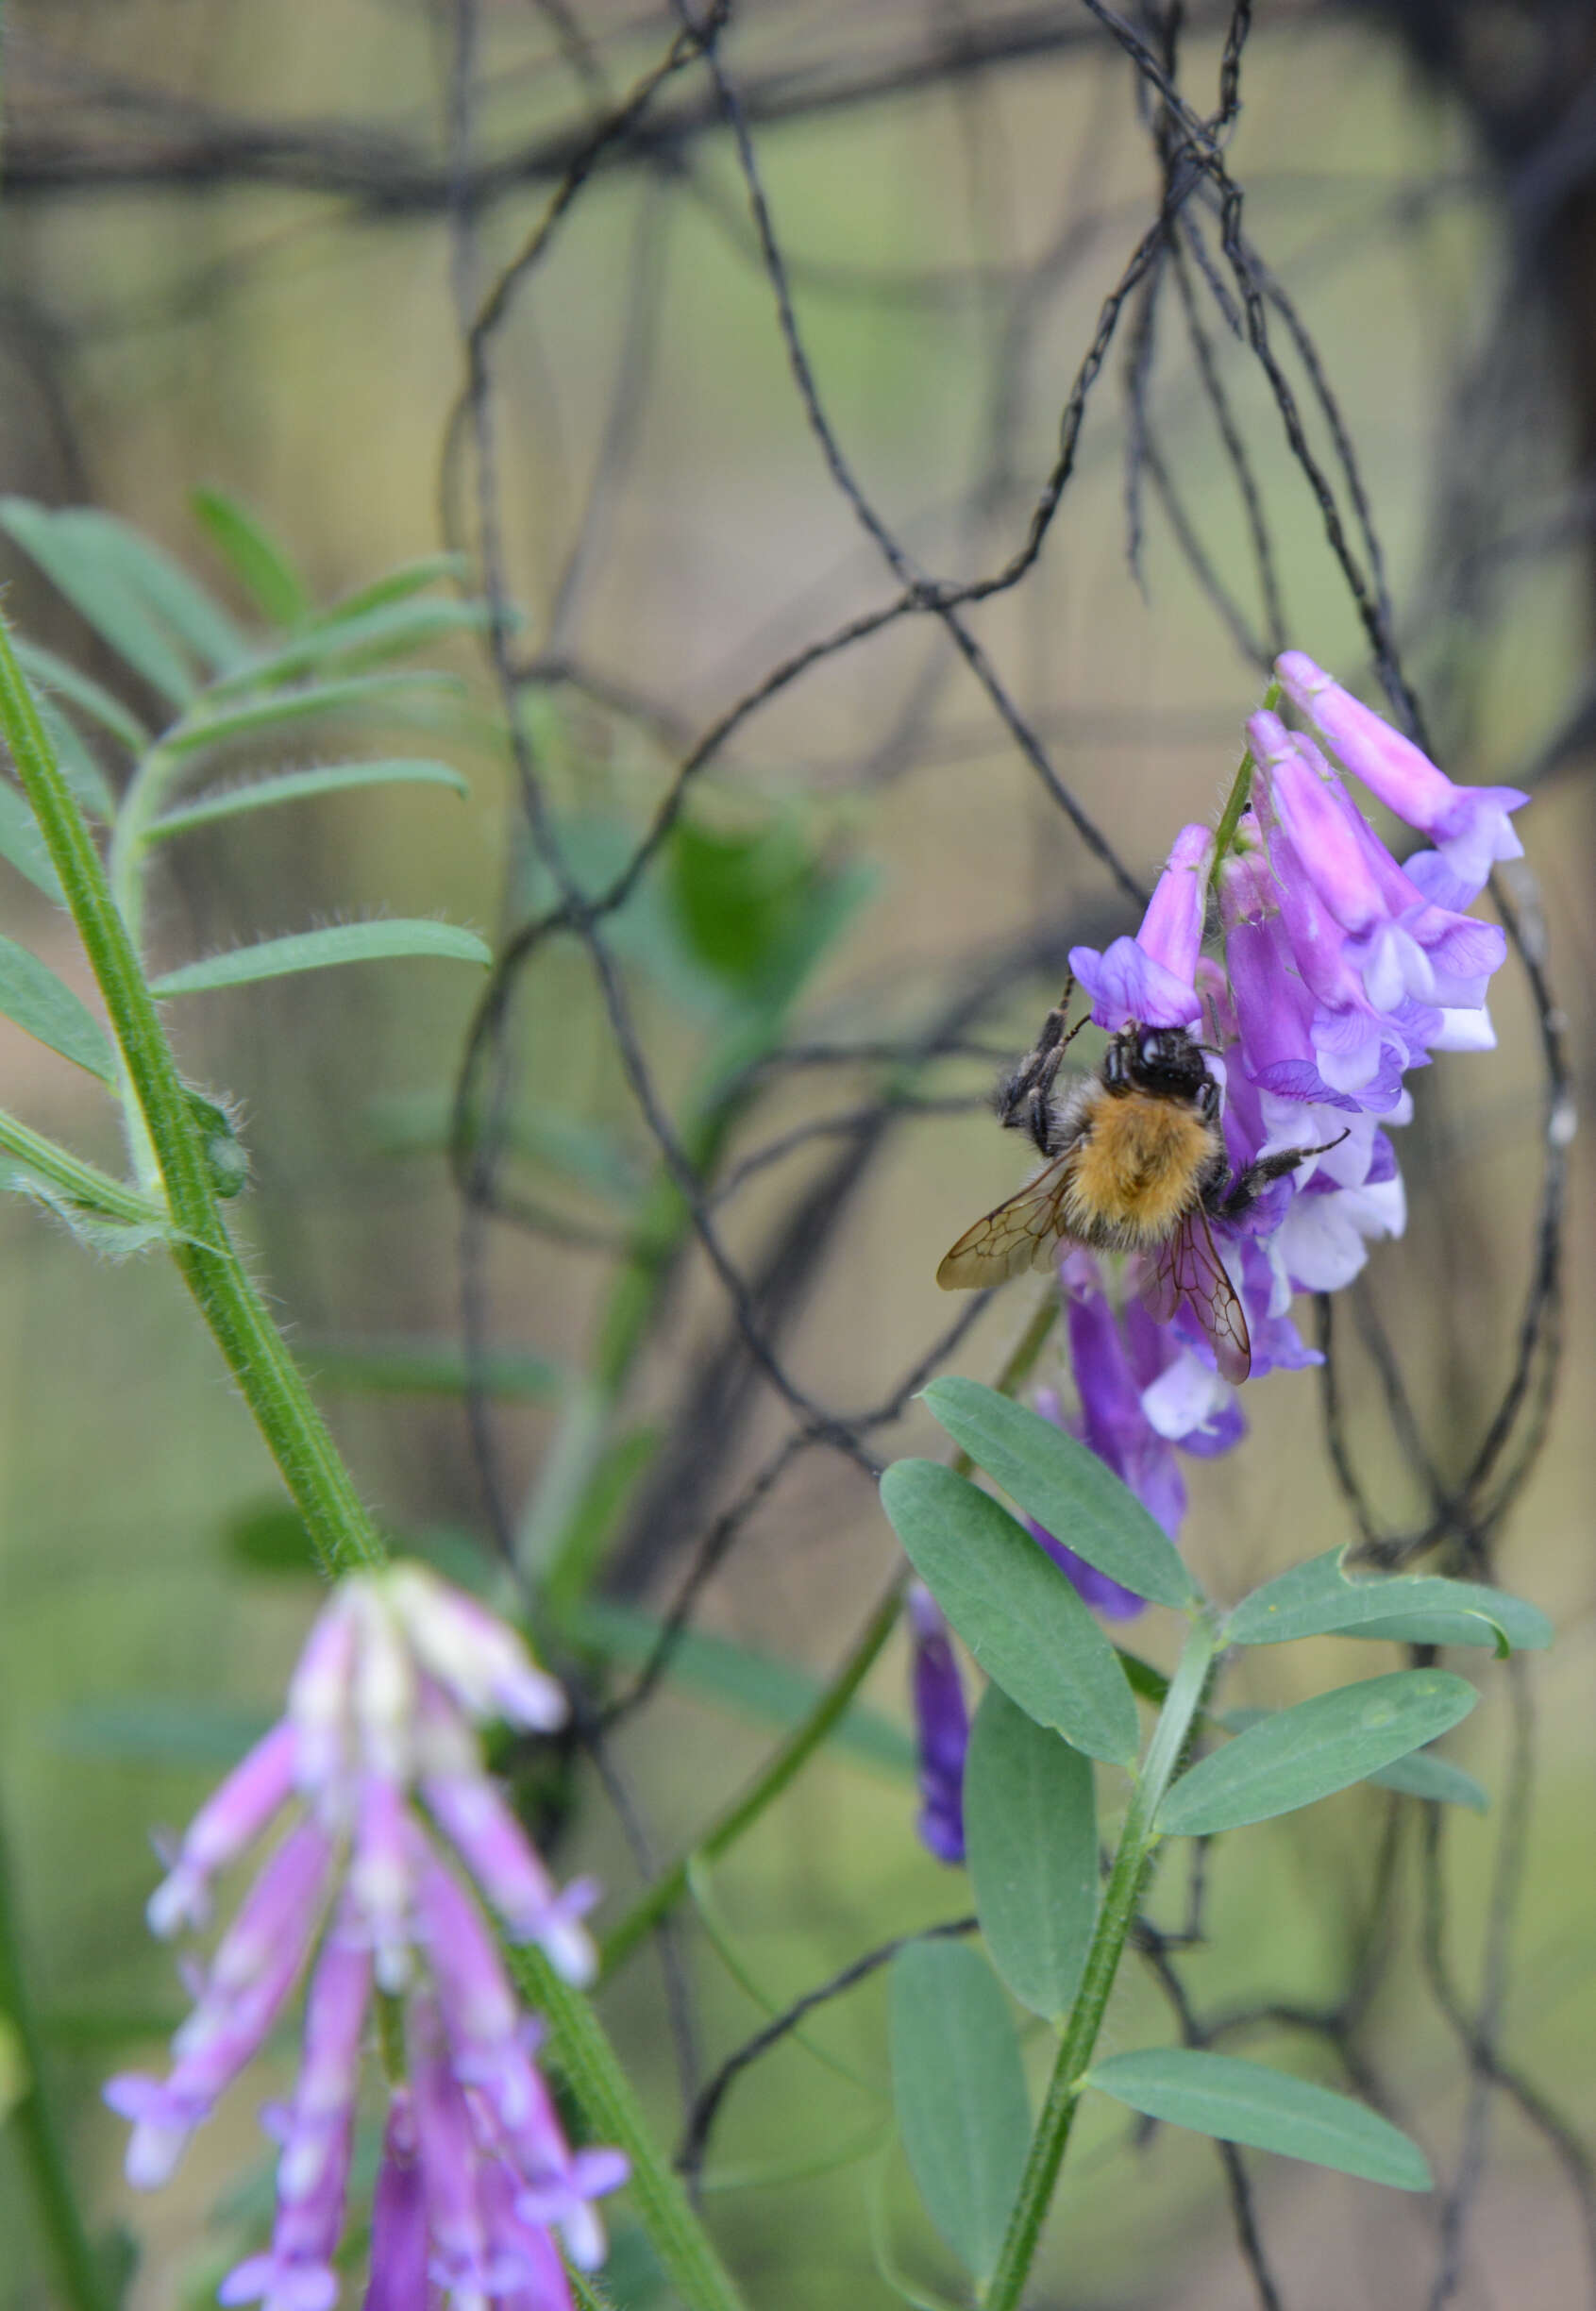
<point x="389" y="1835"/>
<point x="1342" y="970"/>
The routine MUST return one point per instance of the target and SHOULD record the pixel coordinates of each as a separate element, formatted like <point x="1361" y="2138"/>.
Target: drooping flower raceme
<point x="390" y="1838"/>
<point x="1342" y="970"/>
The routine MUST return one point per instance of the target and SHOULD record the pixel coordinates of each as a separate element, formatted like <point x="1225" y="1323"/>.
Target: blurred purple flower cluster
<point x="389" y="1834"/>
<point x="1342" y="970"/>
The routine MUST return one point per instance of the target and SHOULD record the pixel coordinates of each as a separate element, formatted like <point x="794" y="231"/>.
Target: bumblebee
<point x="1134" y="1161"/>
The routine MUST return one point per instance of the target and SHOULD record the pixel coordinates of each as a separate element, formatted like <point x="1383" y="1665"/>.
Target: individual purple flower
<point x="255" y="1967"/>
<point x="375" y="1781"/>
<point x="1470" y="826"/>
<point x="399" y="2244"/>
<point x="230" y="1819"/>
<point x="1402" y="943"/>
<point x="296" y="2273"/>
<point x="1305" y="1022"/>
<point x="1151" y="978"/>
<point x="941" y="1728"/>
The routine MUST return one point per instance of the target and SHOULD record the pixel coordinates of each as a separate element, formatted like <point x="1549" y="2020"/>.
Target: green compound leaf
<point x="1017" y="1612"/>
<point x="1069" y="1491"/>
<point x="1244" y="2103"/>
<point x="1316" y="1599"/>
<point x="304" y="785"/>
<point x="255" y="559"/>
<point x="32" y="996"/>
<point x="1302" y="1754"/>
<point x="959" y="2092"/>
<point x="304" y="951"/>
<point x="1031" y="1834"/>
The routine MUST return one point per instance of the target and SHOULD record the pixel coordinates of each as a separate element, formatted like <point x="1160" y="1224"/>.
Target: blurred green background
<point x="287" y="330"/>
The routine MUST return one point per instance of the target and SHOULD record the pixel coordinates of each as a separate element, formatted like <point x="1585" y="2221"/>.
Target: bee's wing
<point x="1187" y="1266"/>
<point x="1022" y="1232"/>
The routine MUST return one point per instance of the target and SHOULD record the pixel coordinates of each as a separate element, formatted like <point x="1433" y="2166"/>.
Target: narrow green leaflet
<point x="257" y="560"/>
<point x="1031" y="1834"/>
<point x="32" y="996"/>
<point x="23" y="844"/>
<point x="152" y="576"/>
<point x="1018" y="1614"/>
<point x="386" y="631"/>
<point x="1244" y="2103"/>
<point x="303" y="951"/>
<point x="959" y="2092"/>
<point x="305" y="785"/>
<point x="94" y="583"/>
<point x="1076" y="1496"/>
<point x="1424" y="1775"/>
<point x="1421" y="1774"/>
<point x="358" y="694"/>
<point x="1301" y="1754"/>
<point x="410" y="578"/>
<point x="57" y="677"/>
<point x="1316" y="1599"/>
<point x="79" y="767"/>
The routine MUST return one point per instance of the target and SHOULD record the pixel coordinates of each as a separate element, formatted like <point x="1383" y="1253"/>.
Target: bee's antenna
<point x="1062" y="1008"/>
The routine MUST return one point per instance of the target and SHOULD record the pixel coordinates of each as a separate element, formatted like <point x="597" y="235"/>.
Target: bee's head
<point x="1163" y="1060"/>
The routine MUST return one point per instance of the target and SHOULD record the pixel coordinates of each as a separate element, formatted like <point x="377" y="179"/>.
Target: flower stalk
<point x="1121" y="1899"/>
<point x="1240" y="793"/>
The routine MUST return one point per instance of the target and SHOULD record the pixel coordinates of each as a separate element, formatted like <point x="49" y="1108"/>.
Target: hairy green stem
<point x="1121" y="1899"/>
<point x="268" y="1378"/>
<point x="613" y="2111"/>
<point x="1240" y="793"/>
<point x="32" y="2126"/>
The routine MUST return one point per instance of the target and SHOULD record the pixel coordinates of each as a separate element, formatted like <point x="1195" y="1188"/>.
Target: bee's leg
<point x="1245" y="1190"/>
<point x="1027" y="1098"/>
